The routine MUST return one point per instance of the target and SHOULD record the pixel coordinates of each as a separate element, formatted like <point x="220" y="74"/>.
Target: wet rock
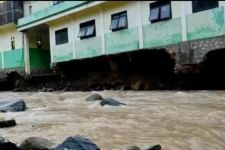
<point x="12" y="106"/>
<point x="36" y="143"/>
<point x="111" y="102"/>
<point x="155" y="147"/>
<point x="7" y="145"/>
<point x="77" y="143"/>
<point x="133" y="148"/>
<point x="7" y="123"/>
<point x="49" y="90"/>
<point x="94" y="97"/>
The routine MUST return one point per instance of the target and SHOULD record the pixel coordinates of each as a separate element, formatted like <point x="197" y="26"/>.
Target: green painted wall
<point x="62" y="52"/>
<point x="122" y="40"/>
<point x="205" y="24"/>
<point x="50" y="11"/>
<point x="39" y="58"/>
<point x="13" y="58"/>
<point x="162" y="33"/>
<point x="88" y="47"/>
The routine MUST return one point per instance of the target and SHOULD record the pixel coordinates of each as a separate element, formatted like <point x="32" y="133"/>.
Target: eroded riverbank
<point x="176" y="120"/>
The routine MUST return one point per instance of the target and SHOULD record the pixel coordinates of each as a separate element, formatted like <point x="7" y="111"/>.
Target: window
<point x="12" y="43"/>
<point x="39" y="42"/>
<point x="203" y="5"/>
<point x="119" y="21"/>
<point x="61" y="36"/>
<point x="87" y="29"/>
<point x="160" y="11"/>
<point x="30" y="9"/>
<point x="57" y="2"/>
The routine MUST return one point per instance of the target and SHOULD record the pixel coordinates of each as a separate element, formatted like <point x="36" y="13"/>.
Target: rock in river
<point x="7" y="123"/>
<point x="155" y="147"/>
<point x="12" y="106"/>
<point x="7" y="145"/>
<point x="36" y="143"/>
<point x="133" y="148"/>
<point x="77" y="143"/>
<point x="94" y="97"/>
<point x="111" y="102"/>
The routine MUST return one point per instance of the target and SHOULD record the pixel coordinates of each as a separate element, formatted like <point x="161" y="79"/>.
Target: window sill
<point x="117" y="29"/>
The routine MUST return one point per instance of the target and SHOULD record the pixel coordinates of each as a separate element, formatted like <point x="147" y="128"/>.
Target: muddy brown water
<point x="187" y="120"/>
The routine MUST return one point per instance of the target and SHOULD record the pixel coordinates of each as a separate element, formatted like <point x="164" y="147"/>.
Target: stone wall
<point x="193" y="52"/>
<point x="199" y="48"/>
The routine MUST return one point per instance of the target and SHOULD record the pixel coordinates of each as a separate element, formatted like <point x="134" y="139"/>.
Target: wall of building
<point x="36" y="6"/>
<point x="5" y="35"/>
<point x="141" y="33"/>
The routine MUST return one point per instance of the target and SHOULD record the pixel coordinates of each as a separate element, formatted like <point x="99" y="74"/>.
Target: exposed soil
<point x="139" y="70"/>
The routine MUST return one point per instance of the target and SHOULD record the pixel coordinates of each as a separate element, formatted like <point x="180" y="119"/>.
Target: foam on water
<point x="176" y="120"/>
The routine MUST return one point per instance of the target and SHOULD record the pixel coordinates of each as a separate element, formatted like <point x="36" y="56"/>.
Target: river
<point x="177" y="120"/>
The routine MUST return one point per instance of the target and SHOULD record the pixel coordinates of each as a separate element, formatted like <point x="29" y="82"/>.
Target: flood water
<point x="193" y="120"/>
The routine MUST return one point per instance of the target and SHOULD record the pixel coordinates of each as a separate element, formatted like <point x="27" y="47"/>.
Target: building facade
<point x="49" y="32"/>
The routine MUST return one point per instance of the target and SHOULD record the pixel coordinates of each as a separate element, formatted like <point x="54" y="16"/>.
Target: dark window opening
<point x="160" y="11"/>
<point x="61" y="36"/>
<point x="57" y="2"/>
<point x="39" y="42"/>
<point x="119" y="21"/>
<point x="198" y="6"/>
<point x="12" y="43"/>
<point x="87" y="29"/>
<point x="30" y="9"/>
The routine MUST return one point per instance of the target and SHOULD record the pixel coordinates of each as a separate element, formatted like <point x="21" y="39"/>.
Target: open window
<point x="160" y="11"/>
<point x="39" y="42"/>
<point x="198" y="6"/>
<point x="119" y="21"/>
<point x="30" y="9"/>
<point x="87" y="30"/>
<point x="12" y="43"/>
<point x="61" y="36"/>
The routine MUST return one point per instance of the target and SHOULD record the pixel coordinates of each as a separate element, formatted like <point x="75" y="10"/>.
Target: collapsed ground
<point x="139" y="70"/>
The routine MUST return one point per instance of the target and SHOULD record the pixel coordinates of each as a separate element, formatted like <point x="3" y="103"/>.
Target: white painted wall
<point x="102" y="15"/>
<point x="138" y="15"/>
<point x="36" y="6"/>
<point x="5" y="36"/>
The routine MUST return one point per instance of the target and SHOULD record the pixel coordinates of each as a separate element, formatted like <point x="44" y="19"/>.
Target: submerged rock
<point x="133" y="148"/>
<point x="36" y="143"/>
<point x="12" y="106"/>
<point x="155" y="147"/>
<point x="7" y="123"/>
<point x="7" y="145"/>
<point x="94" y="97"/>
<point x="77" y="143"/>
<point x="111" y="102"/>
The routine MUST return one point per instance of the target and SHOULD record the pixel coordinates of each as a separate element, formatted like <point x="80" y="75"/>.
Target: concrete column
<point x="26" y="53"/>
<point x="140" y="29"/>
<point x="73" y="35"/>
<point x="184" y="22"/>
<point x="102" y="30"/>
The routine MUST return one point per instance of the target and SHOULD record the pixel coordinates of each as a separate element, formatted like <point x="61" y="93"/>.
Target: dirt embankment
<point x="140" y="70"/>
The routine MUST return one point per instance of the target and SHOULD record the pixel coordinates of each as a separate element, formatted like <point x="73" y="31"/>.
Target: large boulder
<point x="77" y="143"/>
<point x="155" y="147"/>
<point x="12" y="106"/>
<point x="36" y="143"/>
<point x="7" y="145"/>
<point x="111" y="102"/>
<point x="94" y="97"/>
<point x="7" y="123"/>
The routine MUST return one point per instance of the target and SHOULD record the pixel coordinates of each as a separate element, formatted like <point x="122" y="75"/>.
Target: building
<point x="48" y="32"/>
